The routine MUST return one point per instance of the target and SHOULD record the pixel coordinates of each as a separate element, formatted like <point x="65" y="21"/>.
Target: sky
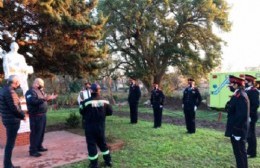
<point x="243" y="48"/>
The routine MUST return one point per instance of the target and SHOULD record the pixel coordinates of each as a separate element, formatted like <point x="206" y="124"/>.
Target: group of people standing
<point x="242" y="118"/>
<point x="12" y="114"/>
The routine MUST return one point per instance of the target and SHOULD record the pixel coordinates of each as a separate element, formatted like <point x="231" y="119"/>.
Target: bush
<point x="73" y="120"/>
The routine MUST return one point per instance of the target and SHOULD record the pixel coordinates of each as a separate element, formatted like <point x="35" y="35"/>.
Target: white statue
<point x="15" y="64"/>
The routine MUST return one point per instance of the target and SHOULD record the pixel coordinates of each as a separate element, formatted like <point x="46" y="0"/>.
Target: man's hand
<point x="195" y="108"/>
<point x="161" y="106"/>
<point x="51" y="97"/>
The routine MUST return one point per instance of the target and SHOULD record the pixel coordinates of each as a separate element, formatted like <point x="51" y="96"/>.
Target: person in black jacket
<point x="190" y="101"/>
<point x="133" y="100"/>
<point x="253" y="96"/>
<point x="238" y="120"/>
<point x="157" y="100"/>
<point x="36" y="101"/>
<point x="94" y="112"/>
<point x="12" y="114"/>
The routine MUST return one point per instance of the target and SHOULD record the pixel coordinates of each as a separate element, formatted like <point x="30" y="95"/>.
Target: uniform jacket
<point x="10" y="107"/>
<point x="237" y="119"/>
<point x="94" y="111"/>
<point x="36" y="102"/>
<point x="157" y="97"/>
<point x="191" y="98"/>
<point x="253" y="96"/>
<point x="134" y="94"/>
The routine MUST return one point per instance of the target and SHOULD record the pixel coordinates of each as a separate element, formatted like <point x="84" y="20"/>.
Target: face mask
<point x="18" y="87"/>
<point x="232" y="89"/>
<point x="246" y="85"/>
<point x="39" y="87"/>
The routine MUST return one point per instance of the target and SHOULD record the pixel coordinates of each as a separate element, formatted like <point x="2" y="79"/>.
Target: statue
<point x="15" y="64"/>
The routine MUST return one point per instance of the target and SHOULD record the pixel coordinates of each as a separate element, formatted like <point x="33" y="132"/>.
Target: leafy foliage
<point x="152" y="35"/>
<point x="66" y="35"/>
<point x="73" y="120"/>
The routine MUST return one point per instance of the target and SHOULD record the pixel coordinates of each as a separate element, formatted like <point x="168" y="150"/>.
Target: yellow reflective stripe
<point x="93" y="157"/>
<point x="105" y="153"/>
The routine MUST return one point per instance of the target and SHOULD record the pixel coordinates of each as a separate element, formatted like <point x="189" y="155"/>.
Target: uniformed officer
<point x="253" y="96"/>
<point x="190" y="101"/>
<point x="157" y="100"/>
<point x="94" y="111"/>
<point x="133" y="100"/>
<point x="237" y="120"/>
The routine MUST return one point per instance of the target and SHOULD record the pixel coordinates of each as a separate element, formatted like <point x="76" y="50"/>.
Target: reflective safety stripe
<point x="93" y="158"/>
<point x="105" y="153"/>
<point x="96" y="103"/>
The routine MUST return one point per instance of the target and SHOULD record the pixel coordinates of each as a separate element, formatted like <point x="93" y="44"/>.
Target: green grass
<point x="167" y="147"/>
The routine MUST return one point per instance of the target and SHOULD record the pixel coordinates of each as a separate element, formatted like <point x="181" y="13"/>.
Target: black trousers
<point x="190" y="120"/>
<point x="239" y="149"/>
<point x="11" y="134"/>
<point x="37" y="126"/>
<point x="133" y="112"/>
<point x="95" y="136"/>
<point x="157" y="114"/>
<point x="251" y="140"/>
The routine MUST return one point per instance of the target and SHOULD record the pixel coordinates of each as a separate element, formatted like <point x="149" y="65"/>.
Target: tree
<point x="67" y="34"/>
<point x="151" y="35"/>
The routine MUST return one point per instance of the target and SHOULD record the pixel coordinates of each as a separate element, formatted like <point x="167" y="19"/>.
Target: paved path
<point x="63" y="148"/>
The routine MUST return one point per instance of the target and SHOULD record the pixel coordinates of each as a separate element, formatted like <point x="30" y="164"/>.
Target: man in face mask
<point x="253" y="96"/>
<point x="12" y="114"/>
<point x="237" y="120"/>
<point x="190" y="101"/>
<point x="36" y="101"/>
<point x="157" y="100"/>
<point x="133" y="100"/>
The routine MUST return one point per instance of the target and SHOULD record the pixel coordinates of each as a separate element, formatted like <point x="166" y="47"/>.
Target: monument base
<point x="23" y="135"/>
<point x="23" y="138"/>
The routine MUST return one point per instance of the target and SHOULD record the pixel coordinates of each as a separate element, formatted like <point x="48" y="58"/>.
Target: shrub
<point x="73" y="120"/>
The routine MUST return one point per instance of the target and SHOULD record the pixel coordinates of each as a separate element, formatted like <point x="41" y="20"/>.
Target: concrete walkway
<point x="63" y="148"/>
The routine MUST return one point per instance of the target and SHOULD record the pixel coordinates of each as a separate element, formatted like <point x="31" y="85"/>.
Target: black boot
<point x="93" y="163"/>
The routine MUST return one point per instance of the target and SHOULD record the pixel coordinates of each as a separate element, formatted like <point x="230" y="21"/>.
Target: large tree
<point x="67" y="34"/>
<point x="151" y="35"/>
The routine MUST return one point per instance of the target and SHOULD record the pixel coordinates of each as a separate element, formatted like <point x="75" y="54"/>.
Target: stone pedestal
<point x="23" y="136"/>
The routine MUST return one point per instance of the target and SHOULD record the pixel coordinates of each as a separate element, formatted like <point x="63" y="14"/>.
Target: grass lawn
<point x="167" y="147"/>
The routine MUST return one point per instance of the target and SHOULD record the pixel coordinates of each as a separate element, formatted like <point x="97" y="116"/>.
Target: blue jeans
<point x="11" y="134"/>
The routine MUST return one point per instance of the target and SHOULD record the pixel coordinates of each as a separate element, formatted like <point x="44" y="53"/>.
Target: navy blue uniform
<point x="157" y="101"/>
<point x="237" y="126"/>
<point x="191" y="98"/>
<point x="37" y="108"/>
<point x="253" y="96"/>
<point x="94" y="112"/>
<point x="133" y="99"/>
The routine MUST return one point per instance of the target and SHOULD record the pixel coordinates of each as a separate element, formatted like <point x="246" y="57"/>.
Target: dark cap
<point x="190" y="79"/>
<point x="237" y="80"/>
<point x="94" y="87"/>
<point x="133" y="78"/>
<point x="250" y="78"/>
<point x="87" y="82"/>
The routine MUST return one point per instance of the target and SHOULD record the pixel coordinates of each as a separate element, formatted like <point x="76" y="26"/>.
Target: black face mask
<point x="39" y="87"/>
<point x="232" y="89"/>
<point x="246" y="85"/>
